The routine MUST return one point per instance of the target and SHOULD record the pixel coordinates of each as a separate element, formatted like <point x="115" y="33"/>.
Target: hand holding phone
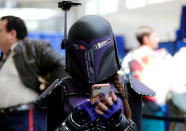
<point x="107" y="106"/>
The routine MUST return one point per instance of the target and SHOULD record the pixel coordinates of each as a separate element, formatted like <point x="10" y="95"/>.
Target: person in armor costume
<point x="92" y="58"/>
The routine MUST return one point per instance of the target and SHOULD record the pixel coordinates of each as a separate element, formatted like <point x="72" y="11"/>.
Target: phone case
<point x="98" y="89"/>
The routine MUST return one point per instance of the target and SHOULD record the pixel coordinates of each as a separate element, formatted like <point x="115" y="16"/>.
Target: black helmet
<point x="91" y="50"/>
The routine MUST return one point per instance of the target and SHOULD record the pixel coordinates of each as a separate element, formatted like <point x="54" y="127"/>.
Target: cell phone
<point x="98" y="89"/>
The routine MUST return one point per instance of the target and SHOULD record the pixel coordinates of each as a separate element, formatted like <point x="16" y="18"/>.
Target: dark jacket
<point x="34" y="58"/>
<point x="62" y="100"/>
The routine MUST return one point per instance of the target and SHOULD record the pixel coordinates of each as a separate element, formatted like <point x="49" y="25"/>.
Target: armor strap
<point x="70" y="125"/>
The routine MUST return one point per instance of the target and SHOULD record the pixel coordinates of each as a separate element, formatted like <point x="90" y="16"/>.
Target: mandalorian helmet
<point x="91" y="52"/>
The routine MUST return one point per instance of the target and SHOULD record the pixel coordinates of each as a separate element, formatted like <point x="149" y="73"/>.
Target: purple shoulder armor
<point x="136" y="85"/>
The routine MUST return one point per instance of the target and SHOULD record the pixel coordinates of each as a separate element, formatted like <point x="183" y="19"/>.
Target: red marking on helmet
<point x="82" y="47"/>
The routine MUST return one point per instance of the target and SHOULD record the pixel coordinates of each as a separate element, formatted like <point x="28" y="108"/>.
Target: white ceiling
<point x="29" y="3"/>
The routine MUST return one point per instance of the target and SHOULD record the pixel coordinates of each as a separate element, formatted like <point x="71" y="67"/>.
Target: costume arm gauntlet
<point x="70" y="125"/>
<point x="125" y="125"/>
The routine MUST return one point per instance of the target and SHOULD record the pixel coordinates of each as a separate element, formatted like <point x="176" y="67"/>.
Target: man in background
<point x="26" y="68"/>
<point x="151" y="67"/>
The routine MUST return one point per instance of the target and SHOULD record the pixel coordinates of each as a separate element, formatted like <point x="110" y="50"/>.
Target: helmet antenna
<point x="66" y="6"/>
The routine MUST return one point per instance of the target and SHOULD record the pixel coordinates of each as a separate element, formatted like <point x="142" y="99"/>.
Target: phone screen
<point x="98" y="89"/>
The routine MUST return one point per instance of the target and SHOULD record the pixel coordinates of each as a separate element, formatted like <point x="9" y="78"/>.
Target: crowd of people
<point x="31" y="69"/>
<point x="161" y="72"/>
